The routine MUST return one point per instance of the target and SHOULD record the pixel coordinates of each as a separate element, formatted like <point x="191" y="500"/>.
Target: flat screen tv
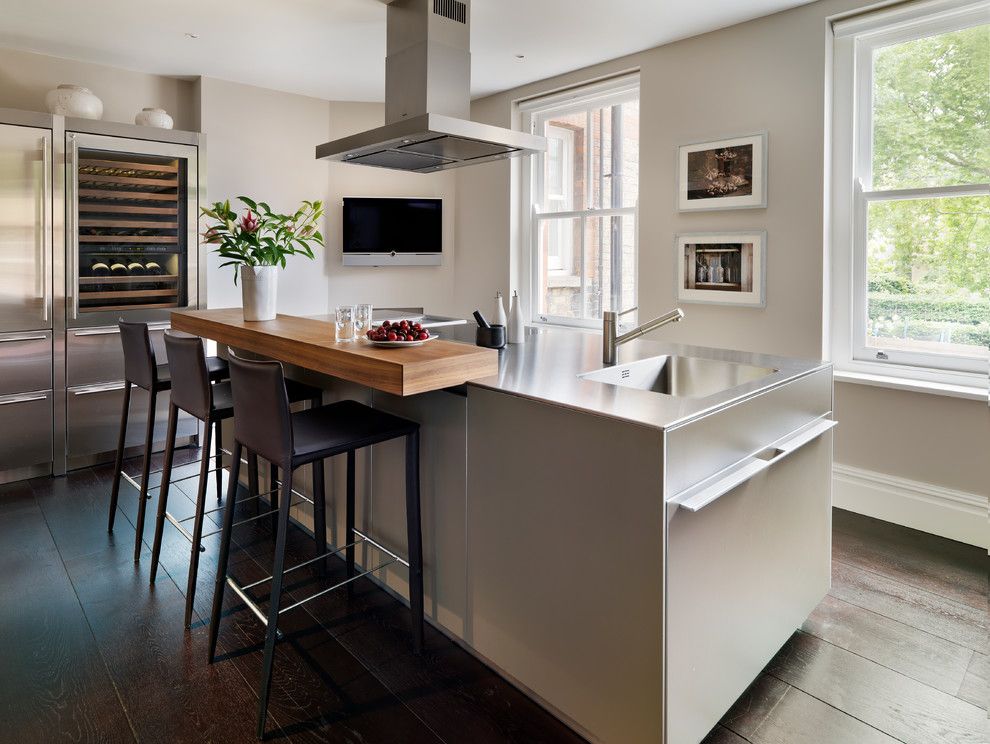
<point x="394" y="231"/>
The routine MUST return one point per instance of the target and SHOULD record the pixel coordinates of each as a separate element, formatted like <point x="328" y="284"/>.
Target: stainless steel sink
<point x="682" y="376"/>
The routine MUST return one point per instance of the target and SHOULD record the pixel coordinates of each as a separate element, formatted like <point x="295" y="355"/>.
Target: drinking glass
<point x="362" y="320"/>
<point x="345" y="322"/>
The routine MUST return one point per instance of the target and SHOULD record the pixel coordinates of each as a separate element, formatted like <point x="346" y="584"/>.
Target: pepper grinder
<point x="500" y="318"/>
<point x="517" y="331"/>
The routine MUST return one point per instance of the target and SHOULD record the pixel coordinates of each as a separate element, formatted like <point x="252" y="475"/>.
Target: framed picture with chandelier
<point x="723" y="174"/>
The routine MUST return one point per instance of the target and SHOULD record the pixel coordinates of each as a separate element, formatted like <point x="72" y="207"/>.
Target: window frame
<point x="534" y="112"/>
<point x="851" y="181"/>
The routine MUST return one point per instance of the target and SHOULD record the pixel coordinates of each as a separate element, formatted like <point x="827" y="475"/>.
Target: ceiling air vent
<point x="452" y="9"/>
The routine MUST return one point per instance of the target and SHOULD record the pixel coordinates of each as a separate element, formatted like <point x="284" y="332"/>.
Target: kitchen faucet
<point x="610" y="319"/>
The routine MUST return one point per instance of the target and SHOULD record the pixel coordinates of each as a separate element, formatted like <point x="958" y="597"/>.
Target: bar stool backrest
<point x="190" y="377"/>
<point x="140" y="367"/>
<point x="262" y="419"/>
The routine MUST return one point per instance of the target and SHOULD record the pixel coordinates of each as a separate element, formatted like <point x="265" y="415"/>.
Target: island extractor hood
<point x="428" y="98"/>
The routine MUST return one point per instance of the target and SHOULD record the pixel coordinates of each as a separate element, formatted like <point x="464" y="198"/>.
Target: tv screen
<point x="399" y="225"/>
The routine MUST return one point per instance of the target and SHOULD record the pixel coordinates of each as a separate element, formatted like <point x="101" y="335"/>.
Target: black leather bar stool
<point x="264" y="424"/>
<point x="141" y="369"/>
<point x="211" y="404"/>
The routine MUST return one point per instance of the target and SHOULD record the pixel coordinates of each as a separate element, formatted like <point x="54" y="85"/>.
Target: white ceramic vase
<point x="154" y="117"/>
<point x="74" y="100"/>
<point x="259" y="291"/>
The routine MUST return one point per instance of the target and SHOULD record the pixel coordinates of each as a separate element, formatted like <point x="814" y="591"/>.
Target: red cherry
<point x="393" y="336"/>
<point x="423" y="336"/>
<point x="417" y="327"/>
<point x="386" y="324"/>
<point x="370" y="333"/>
<point x="410" y="337"/>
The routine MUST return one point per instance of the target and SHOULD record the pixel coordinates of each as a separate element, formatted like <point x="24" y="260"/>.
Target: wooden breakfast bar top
<point x="308" y="343"/>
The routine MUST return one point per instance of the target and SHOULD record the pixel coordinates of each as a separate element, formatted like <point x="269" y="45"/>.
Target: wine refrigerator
<point x="98" y="222"/>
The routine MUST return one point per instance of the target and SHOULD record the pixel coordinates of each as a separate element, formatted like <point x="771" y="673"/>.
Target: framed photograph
<point x="724" y="174"/>
<point x="722" y="268"/>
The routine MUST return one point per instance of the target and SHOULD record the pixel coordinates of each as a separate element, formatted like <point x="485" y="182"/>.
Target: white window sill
<point x="967" y="392"/>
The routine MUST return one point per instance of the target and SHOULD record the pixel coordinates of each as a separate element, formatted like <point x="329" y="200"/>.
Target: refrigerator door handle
<point x="72" y="228"/>
<point x="46" y="242"/>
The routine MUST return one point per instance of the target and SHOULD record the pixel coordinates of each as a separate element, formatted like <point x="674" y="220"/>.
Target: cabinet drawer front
<point x="94" y="355"/>
<point x="25" y="429"/>
<point x="743" y="573"/>
<point x="25" y="362"/>
<point x="93" y="419"/>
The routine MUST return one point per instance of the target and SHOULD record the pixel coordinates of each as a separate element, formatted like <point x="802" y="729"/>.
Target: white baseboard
<point x="957" y="515"/>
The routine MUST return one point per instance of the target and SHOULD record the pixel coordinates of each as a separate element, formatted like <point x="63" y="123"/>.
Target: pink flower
<point x="249" y="222"/>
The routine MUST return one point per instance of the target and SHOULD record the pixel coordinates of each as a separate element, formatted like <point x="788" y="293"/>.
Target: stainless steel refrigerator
<point x="26" y="304"/>
<point x="98" y="221"/>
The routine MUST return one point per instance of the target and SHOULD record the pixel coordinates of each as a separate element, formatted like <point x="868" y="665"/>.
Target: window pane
<point x="580" y="285"/>
<point x="610" y="268"/>
<point x="931" y="106"/>
<point x="564" y="164"/>
<point x="928" y="271"/>
<point x="614" y="156"/>
<point x="559" y="244"/>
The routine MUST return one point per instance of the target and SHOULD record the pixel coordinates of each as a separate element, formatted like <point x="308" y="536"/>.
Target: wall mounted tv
<point x="395" y="231"/>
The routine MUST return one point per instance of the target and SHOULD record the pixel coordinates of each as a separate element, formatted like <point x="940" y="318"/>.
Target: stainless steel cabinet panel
<point x="93" y="419"/>
<point x="25" y="429"/>
<point x="743" y="574"/>
<point x="25" y="228"/>
<point x="94" y="355"/>
<point x="25" y="362"/>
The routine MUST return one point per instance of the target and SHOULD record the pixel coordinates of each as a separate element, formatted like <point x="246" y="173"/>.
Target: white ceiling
<point x="335" y="48"/>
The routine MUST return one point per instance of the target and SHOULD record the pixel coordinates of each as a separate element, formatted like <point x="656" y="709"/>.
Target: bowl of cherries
<point x="396" y="333"/>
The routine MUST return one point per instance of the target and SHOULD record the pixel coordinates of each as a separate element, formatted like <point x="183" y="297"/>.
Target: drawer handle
<point x="93" y="389"/>
<point x="11" y="339"/>
<point x="112" y="331"/>
<point x="98" y="332"/>
<point x="21" y="399"/>
<point x="698" y="497"/>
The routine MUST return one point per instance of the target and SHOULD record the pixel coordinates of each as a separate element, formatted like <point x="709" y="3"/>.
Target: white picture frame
<point x="723" y="174"/>
<point x="740" y="257"/>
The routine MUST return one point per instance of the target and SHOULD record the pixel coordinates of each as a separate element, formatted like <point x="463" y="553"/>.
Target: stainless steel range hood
<point x="428" y="98"/>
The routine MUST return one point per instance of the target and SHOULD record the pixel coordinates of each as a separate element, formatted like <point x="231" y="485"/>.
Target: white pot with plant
<point x="257" y="244"/>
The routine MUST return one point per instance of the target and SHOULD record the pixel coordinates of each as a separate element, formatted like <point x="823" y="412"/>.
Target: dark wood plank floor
<point x="897" y="651"/>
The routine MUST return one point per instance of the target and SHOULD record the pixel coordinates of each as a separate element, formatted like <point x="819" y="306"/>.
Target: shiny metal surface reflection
<point x="683" y="376"/>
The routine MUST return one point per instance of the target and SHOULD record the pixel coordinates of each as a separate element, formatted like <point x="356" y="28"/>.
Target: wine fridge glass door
<point x="132" y="229"/>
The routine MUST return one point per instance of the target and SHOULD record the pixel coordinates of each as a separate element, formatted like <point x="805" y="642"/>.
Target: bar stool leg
<point x="273" y="487"/>
<point x="119" y="460"/>
<point x="273" y="606"/>
<point x="320" y="513"/>
<point x="156" y="546"/>
<point x="228" y="528"/>
<point x="218" y="460"/>
<point x="149" y="440"/>
<point x="415" y="540"/>
<point x="197" y="533"/>
<point x="252" y="460"/>
<point x="349" y="520"/>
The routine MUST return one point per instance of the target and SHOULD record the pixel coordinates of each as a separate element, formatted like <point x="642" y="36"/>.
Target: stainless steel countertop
<point x="546" y="368"/>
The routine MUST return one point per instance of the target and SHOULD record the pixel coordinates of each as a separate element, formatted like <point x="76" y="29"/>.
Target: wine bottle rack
<point x="130" y="219"/>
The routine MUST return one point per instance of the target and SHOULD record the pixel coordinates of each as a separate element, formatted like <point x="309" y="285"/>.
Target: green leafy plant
<point x="260" y="236"/>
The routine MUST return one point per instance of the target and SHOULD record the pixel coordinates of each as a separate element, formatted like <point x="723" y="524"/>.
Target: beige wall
<point x="767" y="74"/>
<point x="261" y="144"/>
<point x="429" y="286"/>
<point x="26" y="77"/>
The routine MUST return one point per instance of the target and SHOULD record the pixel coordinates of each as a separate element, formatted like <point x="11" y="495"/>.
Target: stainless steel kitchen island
<point x="630" y="557"/>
